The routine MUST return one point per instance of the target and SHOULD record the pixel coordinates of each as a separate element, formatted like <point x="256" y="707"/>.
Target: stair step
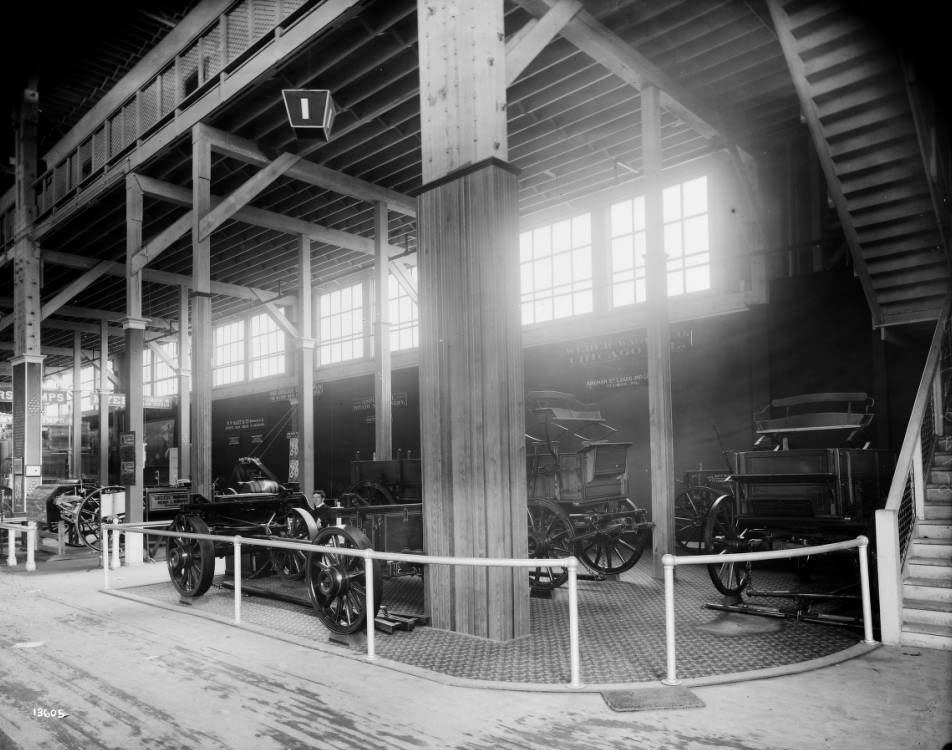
<point x="927" y="613"/>
<point x="897" y="248"/>
<point x="926" y="590"/>
<point x="926" y="640"/>
<point x="939" y="496"/>
<point x="887" y="108"/>
<point x="887" y="174"/>
<point x="935" y="531"/>
<point x="871" y="139"/>
<point x="932" y="549"/>
<point x="941" y="460"/>
<point x="909" y="260"/>
<point x="897" y="211"/>
<point x="868" y="98"/>
<point x="937" y="571"/>
<point x="883" y="196"/>
<point x="918" y="276"/>
<point x="800" y="17"/>
<point x="941" y="475"/>
<point x="829" y="28"/>
<point x="834" y="80"/>
<point x="821" y="58"/>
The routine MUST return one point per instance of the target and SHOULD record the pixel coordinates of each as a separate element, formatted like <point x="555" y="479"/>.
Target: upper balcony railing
<point x="221" y="45"/>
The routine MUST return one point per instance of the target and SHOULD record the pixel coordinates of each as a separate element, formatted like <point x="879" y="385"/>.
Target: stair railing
<point x="905" y="503"/>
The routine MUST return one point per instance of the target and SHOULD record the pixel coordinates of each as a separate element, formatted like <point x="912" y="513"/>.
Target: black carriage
<point x="578" y="500"/>
<point x="790" y="492"/>
<point x="384" y="482"/>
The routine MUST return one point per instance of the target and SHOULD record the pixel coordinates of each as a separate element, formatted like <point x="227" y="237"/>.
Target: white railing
<point x="153" y="529"/>
<point x="895" y="524"/>
<point x="670" y="562"/>
<point x="13" y="528"/>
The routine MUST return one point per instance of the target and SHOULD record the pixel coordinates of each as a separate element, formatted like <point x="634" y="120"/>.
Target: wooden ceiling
<point x="574" y="130"/>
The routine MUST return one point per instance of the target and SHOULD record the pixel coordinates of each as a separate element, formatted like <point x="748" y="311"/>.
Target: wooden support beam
<point x="202" y="341"/>
<point x="184" y="388"/>
<point x="245" y="193"/>
<point x="281" y="319"/>
<point x="103" y="391"/>
<point x="305" y="379"/>
<point x="115" y="268"/>
<point x="258" y="217"/>
<point x="400" y="274"/>
<point x="525" y="45"/>
<point x="73" y="288"/>
<point x="163" y="355"/>
<point x="660" y="420"/>
<point x="616" y="55"/>
<point x="243" y="149"/>
<point x="161" y="242"/>
<point x="76" y="413"/>
<point x="383" y="415"/>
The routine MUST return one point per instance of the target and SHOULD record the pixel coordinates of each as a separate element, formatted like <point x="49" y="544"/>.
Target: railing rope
<point x="369" y="555"/>
<point x="670" y="562"/>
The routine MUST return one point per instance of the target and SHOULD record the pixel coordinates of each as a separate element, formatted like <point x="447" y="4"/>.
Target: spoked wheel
<point x="725" y="533"/>
<point x="690" y="512"/>
<point x="369" y="492"/>
<point x="550" y="535"/>
<point x="337" y="584"/>
<point x="610" y="545"/>
<point x="88" y="523"/>
<point x="287" y="562"/>
<point x="191" y="562"/>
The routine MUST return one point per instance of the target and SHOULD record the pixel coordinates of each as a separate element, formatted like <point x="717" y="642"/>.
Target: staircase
<point x="872" y="140"/>
<point x="927" y="586"/>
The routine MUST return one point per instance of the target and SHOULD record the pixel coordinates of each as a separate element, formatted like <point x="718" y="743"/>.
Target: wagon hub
<point x="178" y="557"/>
<point x="331" y="582"/>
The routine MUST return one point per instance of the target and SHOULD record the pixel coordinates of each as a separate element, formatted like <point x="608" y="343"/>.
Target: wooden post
<point x="305" y="400"/>
<point x="202" y="337"/>
<point x="184" y="384"/>
<point x="472" y="420"/>
<point x="101" y="389"/>
<point x="76" y="415"/>
<point x="383" y="417"/>
<point x="134" y="326"/>
<point x="27" y="362"/>
<point x="660" y="421"/>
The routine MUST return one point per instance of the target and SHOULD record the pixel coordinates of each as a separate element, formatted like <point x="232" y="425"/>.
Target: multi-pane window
<point x="686" y="239"/>
<point x="57" y="401"/>
<point x="404" y="314"/>
<point x="158" y="379"/>
<point x="627" y="221"/>
<point x="229" y="355"/>
<point x="686" y="243"/>
<point x="88" y="386"/>
<point x="341" y="324"/>
<point x="556" y="270"/>
<point x="266" y="347"/>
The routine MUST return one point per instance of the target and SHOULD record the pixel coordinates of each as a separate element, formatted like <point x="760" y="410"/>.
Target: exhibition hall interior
<point x="547" y="343"/>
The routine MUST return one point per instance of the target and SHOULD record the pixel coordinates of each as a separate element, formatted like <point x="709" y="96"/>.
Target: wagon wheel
<point x="88" y="523"/>
<point x="191" y="562"/>
<point x="612" y="546"/>
<point x="690" y="512"/>
<point x="550" y="535"/>
<point x="369" y="492"/>
<point x="336" y="584"/>
<point x="291" y="563"/>
<point x="724" y="533"/>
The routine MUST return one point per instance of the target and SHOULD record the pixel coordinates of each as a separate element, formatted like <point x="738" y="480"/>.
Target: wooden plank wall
<point x="472" y="400"/>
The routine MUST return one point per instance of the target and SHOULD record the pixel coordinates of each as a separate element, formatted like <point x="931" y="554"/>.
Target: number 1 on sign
<point x="305" y="113"/>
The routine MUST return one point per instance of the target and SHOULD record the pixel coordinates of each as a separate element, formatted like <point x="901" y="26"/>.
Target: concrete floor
<point x="126" y="674"/>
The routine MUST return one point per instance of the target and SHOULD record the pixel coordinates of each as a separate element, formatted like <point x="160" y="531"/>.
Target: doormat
<point x="650" y="699"/>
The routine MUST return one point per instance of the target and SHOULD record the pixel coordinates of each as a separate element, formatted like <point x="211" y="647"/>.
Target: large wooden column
<point x="305" y="401"/>
<point x="471" y="370"/>
<point x="383" y="411"/>
<point x="661" y="423"/>
<point x="134" y="326"/>
<point x="202" y="337"/>
<point x="27" y="361"/>
<point x="184" y="386"/>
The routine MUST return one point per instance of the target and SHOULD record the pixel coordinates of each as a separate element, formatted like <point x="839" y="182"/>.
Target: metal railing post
<point x="116" y="560"/>
<point x="105" y="556"/>
<point x="668" y="561"/>
<point x="30" y="545"/>
<point x="370" y="604"/>
<point x="864" y="585"/>
<point x="574" y="669"/>
<point x="12" y="547"/>
<point x="237" y="579"/>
